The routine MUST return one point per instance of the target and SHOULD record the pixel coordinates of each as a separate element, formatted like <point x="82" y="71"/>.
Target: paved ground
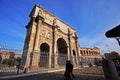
<point x="93" y="73"/>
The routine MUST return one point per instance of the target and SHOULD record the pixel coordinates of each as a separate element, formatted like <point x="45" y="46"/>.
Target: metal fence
<point x="44" y="59"/>
<point x="7" y="61"/>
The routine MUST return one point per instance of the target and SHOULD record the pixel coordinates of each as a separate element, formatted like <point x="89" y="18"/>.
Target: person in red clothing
<point x="97" y="63"/>
<point x="81" y="63"/>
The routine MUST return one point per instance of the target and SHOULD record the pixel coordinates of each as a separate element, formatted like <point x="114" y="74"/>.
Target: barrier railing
<point x="45" y="59"/>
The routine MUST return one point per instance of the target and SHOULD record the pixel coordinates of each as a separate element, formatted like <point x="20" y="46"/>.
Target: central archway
<point x="44" y="55"/>
<point x="62" y="51"/>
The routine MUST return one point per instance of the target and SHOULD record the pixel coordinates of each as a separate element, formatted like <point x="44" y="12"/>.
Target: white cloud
<point x="105" y="44"/>
<point x="109" y="45"/>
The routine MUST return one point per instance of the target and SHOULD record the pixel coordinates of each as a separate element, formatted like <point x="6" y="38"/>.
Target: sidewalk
<point x="94" y="73"/>
<point x="8" y="75"/>
<point x="86" y="73"/>
<point x="21" y="74"/>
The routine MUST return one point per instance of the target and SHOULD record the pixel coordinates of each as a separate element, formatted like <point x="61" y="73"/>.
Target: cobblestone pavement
<point x="93" y="73"/>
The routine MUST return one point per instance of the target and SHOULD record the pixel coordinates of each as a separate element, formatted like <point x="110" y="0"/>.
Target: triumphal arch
<point x="49" y="41"/>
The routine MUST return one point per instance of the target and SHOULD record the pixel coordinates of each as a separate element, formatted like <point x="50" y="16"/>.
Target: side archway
<point x="44" y="55"/>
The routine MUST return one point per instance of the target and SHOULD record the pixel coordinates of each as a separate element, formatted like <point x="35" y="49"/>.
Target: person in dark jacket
<point x="69" y="70"/>
<point x="117" y="65"/>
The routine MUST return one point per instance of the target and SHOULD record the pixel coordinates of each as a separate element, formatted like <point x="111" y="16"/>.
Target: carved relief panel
<point x="46" y="34"/>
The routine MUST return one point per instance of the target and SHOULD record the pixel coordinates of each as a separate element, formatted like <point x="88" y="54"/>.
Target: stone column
<point x="36" y="53"/>
<point x="55" y="54"/>
<point x="39" y="21"/>
<point x="28" y="48"/>
<point x="69" y="44"/>
<point x="76" y="41"/>
<point x="69" y="56"/>
<point x="77" y="48"/>
<point x="50" y="58"/>
<point x="35" y="59"/>
<point x="53" y="46"/>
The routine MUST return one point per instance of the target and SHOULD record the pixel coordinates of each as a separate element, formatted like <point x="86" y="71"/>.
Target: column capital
<point x="39" y="18"/>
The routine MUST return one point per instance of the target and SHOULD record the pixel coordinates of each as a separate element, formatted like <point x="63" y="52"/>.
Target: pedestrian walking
<point x="90" y="64"/>
<point x="117" y="65"/>
<point x="69" y="70"/>
<point x="25" y="70"/>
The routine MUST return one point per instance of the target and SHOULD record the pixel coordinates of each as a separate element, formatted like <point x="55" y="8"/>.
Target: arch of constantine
<point x="50" y="42"/>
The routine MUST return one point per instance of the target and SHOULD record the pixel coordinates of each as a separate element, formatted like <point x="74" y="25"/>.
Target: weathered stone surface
<point x="46" y="33"/>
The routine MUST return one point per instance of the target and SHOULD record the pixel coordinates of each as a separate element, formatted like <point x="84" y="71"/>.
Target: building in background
<point x="7" y="55"/>
<point x="89" y="55"/>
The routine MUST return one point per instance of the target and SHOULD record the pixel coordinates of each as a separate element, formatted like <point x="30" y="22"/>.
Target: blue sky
<point x="90" y="18"/>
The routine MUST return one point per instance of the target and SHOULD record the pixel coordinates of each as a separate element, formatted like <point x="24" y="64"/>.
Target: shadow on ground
<point x="81" y="74"/>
